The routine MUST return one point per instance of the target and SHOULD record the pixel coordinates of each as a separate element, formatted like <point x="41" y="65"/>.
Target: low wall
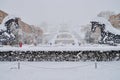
<point x="112" y="55"/>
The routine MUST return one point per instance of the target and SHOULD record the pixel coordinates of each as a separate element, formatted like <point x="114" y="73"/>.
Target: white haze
<point x="55" y="12"/>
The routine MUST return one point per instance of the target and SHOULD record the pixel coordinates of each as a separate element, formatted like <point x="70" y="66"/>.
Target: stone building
<point x="2" y="15"/>
<point x="115" y="21"/>
<point x="29" y="34"/>
<point x="64" y="38"/>
<point x="87" y="36"/>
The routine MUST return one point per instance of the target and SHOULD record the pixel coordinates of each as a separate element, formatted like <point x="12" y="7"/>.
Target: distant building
<point x="29" y="34"/>
<point x="2" y="15"/>
<point x="87" y="36"/>
<point x="64" y="38"/>
<point x="105" y="14"/>
<point x="115" y="21"/>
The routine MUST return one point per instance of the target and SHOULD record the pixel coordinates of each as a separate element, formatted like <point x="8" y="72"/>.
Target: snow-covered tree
<point x="8" y="28"/>
<point x="6" y="38"/>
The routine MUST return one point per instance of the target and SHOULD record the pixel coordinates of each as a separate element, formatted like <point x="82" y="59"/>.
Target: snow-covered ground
<point x="87" y="47"/>
<point x="60" y="71"/>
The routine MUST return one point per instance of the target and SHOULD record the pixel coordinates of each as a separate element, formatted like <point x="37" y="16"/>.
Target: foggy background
<point x="54" y="12"/>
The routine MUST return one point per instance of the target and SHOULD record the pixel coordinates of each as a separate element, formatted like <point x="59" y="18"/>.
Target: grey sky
<point x="58" y="11"/>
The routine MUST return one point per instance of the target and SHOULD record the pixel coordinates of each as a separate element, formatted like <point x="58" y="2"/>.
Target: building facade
<point x="2" y="15"/>
<point x="64" y="38"/>
<point x="115" y="21"/>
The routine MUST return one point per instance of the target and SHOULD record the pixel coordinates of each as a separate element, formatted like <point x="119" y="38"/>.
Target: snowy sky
<point x="58" y="11"/>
